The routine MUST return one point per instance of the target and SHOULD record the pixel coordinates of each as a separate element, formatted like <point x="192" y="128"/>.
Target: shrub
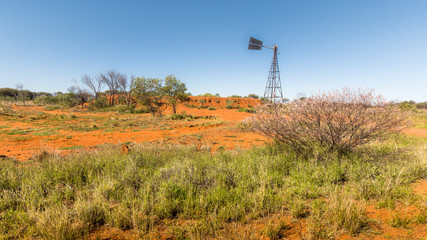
<point x="340" y="213"/>
<point x="208" y="95"/>
<point x="276" y="231"/>
<point x="400" y="221"/>
<point x="265" y="100"/>
<point x="43" y="100"/>
<point x="254" y="96"/>
<point x="248" y="110"/>
<point x="5" y="109"/>
<point x="100" y="102"/>
<point x="230" y="104"/>
<point x="150" y="94"/>
<point x="180" y="116"/>
<point x="8" y="92"/>
<point x="339" y="120"/>
<point x="422" y="105"/>
<point x="91" y="213"/>
<point x="202" y="101"/>
<point x="408" y="106"/>
<point x="139" y="111"/>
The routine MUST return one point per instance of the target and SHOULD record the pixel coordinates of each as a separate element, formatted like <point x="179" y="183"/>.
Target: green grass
<point x="420" y="119"/>
<point x="276" y="232"/>
<point x="52" y="107"/>
<point x="69" y="197"/>
<point x="72" y="147"/>
<point x="45" y="133"/>
<point x="14" y="132"/>
<point x="248" y="110"/>
<point x="399" y="221"/>
<point x="22" y="139"/>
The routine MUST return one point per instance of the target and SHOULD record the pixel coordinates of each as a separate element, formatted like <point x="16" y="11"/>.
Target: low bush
<point x="139" y="111"/>
<point x="5" y="109"/>
<point x="254" y="96"/>
<point x="339" y="120"/>
<point x="248" y="110"/>
<point x="99" y="103"/>
<point x="408" y="106"/>
<point x="181" y="116"/>
<point x="421" y="105"/>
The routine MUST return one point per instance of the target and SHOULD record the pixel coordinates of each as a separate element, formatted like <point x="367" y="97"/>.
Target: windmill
<point x="273" y="89"/>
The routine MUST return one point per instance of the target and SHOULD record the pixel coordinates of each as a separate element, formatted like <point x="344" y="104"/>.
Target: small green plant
<point x="202" y="103"/>
<point x="421" y="217"/>
<point x="139" y="111"/>
<point x="408" y="106"/>
<point x="248" y="110"/>
<point x="52" y="107"/>
<point x="181" y="116"/>
<point x="276" y="232"/>
<point x="5" y="110"/>
<point x="71" y="148"/>
<point x="190" y="105"/>
<point x="400" y="221"/>
<point x="298" y="209"/>
<point x="236" y="96"/>
<point x="91" y="213"/>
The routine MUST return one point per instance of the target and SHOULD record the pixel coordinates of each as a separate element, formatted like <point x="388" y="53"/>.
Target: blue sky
<point x="323" y="45"/>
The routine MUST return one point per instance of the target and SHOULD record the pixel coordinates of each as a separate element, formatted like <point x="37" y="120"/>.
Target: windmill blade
<point x="254" y="44"/>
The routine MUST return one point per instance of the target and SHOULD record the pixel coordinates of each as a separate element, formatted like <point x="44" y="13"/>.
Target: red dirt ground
<point x="220" y="132"/>
<point x="420" y="132"/>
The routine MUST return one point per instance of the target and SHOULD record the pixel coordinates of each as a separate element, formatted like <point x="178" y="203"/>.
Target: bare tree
<point x="82" y="94"/>
<point x="111" y="79"/>
<point x="123" y="88"/>
<point x="95" y="84"/>
<point x="20" y="94"/>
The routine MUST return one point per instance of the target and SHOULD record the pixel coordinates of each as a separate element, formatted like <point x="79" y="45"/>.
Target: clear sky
<point x="323" y="45"/>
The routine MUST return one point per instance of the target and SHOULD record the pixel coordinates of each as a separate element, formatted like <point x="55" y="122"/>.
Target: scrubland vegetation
<point x="333" y="155"/>
<point x="58" y="197"/>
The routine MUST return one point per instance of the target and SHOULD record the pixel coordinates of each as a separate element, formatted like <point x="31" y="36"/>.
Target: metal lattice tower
<point x="273" y="89"/>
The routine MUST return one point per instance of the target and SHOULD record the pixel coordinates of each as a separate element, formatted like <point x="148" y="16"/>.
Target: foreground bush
<point x="339" y="120"/>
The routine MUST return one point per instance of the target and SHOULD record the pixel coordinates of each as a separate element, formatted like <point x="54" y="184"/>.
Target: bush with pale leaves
<point x="339" y="120"/>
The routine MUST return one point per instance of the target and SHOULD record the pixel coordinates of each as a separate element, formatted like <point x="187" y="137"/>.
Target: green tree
<point x="149" y="93"/>
<point x="174" y="91"/>
<point x="254" y="96"/>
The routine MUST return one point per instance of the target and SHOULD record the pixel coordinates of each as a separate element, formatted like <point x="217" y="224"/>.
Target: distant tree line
<point x="154" y="94"/>
<point x="412" y="105"/>
<point x="19" y="94"/>
<point x="252" y="95"/>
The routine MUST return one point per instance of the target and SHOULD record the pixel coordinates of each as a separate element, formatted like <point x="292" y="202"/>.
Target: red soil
<point x="213" y="133"/>
<point x="420" y="132"/>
